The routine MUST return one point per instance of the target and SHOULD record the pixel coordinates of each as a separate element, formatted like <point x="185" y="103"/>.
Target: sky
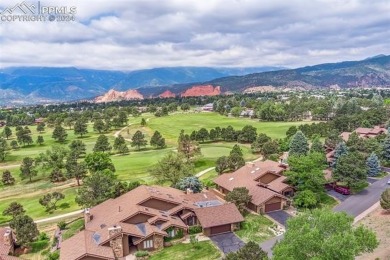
<point x="130" y="35"/>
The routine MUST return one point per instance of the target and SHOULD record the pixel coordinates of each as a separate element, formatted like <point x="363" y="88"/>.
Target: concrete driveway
<point x="227" y="242"/>
<point x="279" y="216"/>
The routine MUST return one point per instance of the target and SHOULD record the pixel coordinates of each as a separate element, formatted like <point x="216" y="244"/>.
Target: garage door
<point x="273" y="206"/>
<point x="220" y="229"/>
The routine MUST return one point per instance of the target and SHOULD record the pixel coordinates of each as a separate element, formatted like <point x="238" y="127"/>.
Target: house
<point x="265" y="182"/>
<point x="39" y="120"/>
<point x="143" y="217"/>
<point x="208" y="107"/>
<point x="247" y="113"/>
<point x="7" y="244"/>
<point x="365" y="132"/>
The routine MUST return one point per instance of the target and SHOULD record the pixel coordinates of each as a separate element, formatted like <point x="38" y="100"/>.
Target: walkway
<point x="51" y="219"/>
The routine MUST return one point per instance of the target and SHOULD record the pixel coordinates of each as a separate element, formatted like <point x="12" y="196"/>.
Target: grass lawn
<point x="255" y="228"/>
<point x="208" y="178"/>
<point x="73" y="228"/>
<point x="328" y="201"/>
<point x="206" y="251"/>
<point x="36" y="210"/>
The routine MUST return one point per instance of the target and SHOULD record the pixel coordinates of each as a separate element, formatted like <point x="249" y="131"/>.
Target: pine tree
<point x="120" y="145"/>
<point x="157" y="140"/>
<point x="40" y="140"/>
<point x="317" y="146"/>
<point x="385" y="199"/>
<point x="143" y="122"/>
<point x="41" y="127"/>
<point x="27" y="169"/>
<point x="59" y="134"/>
<point x="99" y="125"/>
<point x="386" y="148"/>
<point x="340" y="150"/>
<point x="7" y="178"/>
<point x="3" y="148"/>
<point x="138" y="140"/>
<point x="373" y="165"/>
<point x="299" y="144"/>
<point x="80" y="128"/>
<point x="7" y="132"/>
<point x="102" y="144"/>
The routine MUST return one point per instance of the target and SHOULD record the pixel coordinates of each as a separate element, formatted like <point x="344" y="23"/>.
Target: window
<point x="148" y="244"/>
<point x="171" y="233"/>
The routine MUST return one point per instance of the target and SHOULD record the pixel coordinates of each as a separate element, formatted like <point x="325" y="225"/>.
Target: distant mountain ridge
<point x="20" y="85"/>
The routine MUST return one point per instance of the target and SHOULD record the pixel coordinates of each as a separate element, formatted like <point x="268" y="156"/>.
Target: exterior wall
<point x="273" y="200"/>
<point x="206" y="232"/>
<point x="268" y="177"/>
<point x="116" y="243"/>
<point x="139" y="218"/>
<point x="125" y="243"/>
<point x="235" y="226"/>
<point x="158" y="204"/>
<point x="158" y="243"/>
<point x="288" y="192"/>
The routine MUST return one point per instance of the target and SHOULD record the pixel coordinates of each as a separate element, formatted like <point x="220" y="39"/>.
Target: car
<point x="388" y="182"/>
<point x="342" y="190"/>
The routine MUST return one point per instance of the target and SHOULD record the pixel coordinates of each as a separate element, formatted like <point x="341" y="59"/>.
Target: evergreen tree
<point x="99" y="161"/>
<point x="351" y="169"/>
<point x="143" y="122"/>
<point x="41" y="127"/>
<point x="386" y="148"/>
<point x="3" y="148"/>
<point x="317" y="146"/>
<point x="102" y="144"/>
<point x="248" y="134"/>
<point x="385" y="199"/>
<point x="49" y="201"/>
<point x="187" y="146"/>
<point x="236" y="150"/>
<point x="40" y="140"/>
<point x="251" y="251"/>
<point x="340" y="150"/>
<point x="14" y="144"/>
<point x="138" y="140"/>
<point x="291" y="131"/>
<point x="299" y="144"/>
<point x="75" y="169"/>
<point x="25" y="229"/>
<point x="7" y="132"/>
<point x="240" y="197"/>
<point x="57" y="175"/>
<point x="77" y="148"/>
<point x="202" y="135"/>
<point x="7" y="178"/>
<point x="236" y="161"/>
<point x="80" y="127"/>
<point x="14" y="209"/>
<point x="99" y="126"/>
<point x="191" y="183"/>
<point x="59" y="134"/>
<point x="120" y="145"/>
<point x="222" y="164"/>
<point x="157" y="140"/>
<point x="373" y="165"/>
<point x="27" y="169"/>
<point x="259" y="142"/>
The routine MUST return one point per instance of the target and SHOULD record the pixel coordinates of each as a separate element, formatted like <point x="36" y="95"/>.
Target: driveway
<point x="360" y="202"/>
<point x="227" y="242"/>
<point x="280" y="216"/>
<point x="337" y="195"/>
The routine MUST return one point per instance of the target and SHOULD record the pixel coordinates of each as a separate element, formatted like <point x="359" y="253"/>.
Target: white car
<point x="388" y="182"/>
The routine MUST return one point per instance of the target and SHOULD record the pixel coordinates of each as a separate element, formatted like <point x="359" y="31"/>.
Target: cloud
<point x="128" y="35"/>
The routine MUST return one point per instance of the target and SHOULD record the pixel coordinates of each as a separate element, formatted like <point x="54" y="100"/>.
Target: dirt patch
<point x="379" y="222"/>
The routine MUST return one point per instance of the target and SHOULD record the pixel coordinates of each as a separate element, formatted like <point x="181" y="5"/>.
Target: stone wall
<point x="116" y="243"/>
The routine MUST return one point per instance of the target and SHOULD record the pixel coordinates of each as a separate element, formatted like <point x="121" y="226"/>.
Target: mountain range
<point x="23" y="85"/>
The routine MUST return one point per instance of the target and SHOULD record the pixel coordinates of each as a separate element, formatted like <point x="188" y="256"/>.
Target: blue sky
<point x="128" y="35"/>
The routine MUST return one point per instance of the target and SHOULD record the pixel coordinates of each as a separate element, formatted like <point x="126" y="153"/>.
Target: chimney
<point x="189" y="191"/>
<point x="87" y="215"/>
<point x="8" y="239"/>
<point x="116" y="242"/>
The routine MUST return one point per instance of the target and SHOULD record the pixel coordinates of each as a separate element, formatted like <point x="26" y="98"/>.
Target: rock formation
<point x="167" y="94"/>
<point x="113" y="95"/>
<point x="205" y="90"/>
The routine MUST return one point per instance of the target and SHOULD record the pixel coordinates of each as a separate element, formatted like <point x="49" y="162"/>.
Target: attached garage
<point x="273" y="207"/>
<point x="220" y="229"/>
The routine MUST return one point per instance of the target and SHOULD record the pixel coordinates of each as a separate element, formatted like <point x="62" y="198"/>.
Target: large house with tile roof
<point x="143" y="217"/>
<point x="265" y="182"/>
<point x="7" y="244"/>
<point x="364" y="132"/>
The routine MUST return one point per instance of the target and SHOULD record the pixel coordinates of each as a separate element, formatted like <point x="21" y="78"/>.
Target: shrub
<point x="194" y="230"/>
<point x="141" y="253"/>
<point x="43" y="236"/>
<point x="54" y="256"/>
<point x="61" y="225"/>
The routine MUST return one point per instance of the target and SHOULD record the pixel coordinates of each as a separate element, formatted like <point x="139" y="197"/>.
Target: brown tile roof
<point x="328" y="174"/>
<point x="4" y="249"/>
<point x="345" y="136"/>
<point x="83" y="244"/>
<point x="9" y="257"/>
<point x="218" y="215"/>
<point x="246" y="176"/>
<point x="278" y="184"/>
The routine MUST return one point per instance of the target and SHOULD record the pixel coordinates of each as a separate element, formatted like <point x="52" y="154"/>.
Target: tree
<point x="202" y="135"/>
<point x="259" y="142"/>
<point x="299" y="144"/>
<point x="248" y="134"/>
<point x="14" y="209"/>
<point x="120" y="145"/>
<point x="25" y="228"/>
<point x="157" y="140"/>
<point x="23" y="136"/>
<point x="102" y="144"/>
<point x="69" y="122"/>
<point x="80" y="127"/>
<point x="187" y="146"/>
<point x="97" y="187"/>
<point x="185" y="106"/>
<point x="59" y="134"/>
<point x="143" y="122"/>
<point x="240" y="197"/>
<point x="306" y="199"/>
<point x="250" y="251"/>
<point x="385" y="200"/>
<point x="317" y="146"/>
<point x="75" y="169"/>
<point x="340" y="150"/>
<point x="171" y="168"/>
<point x="236" y="150"/>
<point x="236" y="161"/>
<point x="373" y="165"/>
<point x="138" y="140"/>
<point x="40" y="140"/>
<point x="323" y="234"/>
<point x="222" y="164"/>
<point x="386" y="148"/>
<point x="333" y="139"/>
<point x="77" y="148"/>
<point x="192" y="183"/>
<point x="41" y="127"/>
<point x="27" y="168"/>
<point x="291" y="131"/>
<point x="351" y="169"/>
<point x="49" y="201"/>
<point x="269" y="148"/>
<point x="99" y="125"/>
<point x="99" y="161"/>
<point x="14" y="144"/>
<point x="57" y="175"/>
<point x="53" y="158"/>
<point x="7" y="178"/>
<point x="7" y="132"/>
<point x="3" y="148"/>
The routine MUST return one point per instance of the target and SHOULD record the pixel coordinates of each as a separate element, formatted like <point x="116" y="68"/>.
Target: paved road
<point x="358" y="203"/>
<point x="227" y="242"/>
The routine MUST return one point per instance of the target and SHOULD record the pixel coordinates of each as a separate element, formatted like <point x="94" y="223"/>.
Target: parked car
<point x="388" y="182"/>
<point x="342" y="190"/>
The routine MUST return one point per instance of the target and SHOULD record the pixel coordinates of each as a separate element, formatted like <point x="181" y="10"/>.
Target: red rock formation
<point x="206" y="90"/>
<point x="167" y="94"/>
<point x="113" y="95"/>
